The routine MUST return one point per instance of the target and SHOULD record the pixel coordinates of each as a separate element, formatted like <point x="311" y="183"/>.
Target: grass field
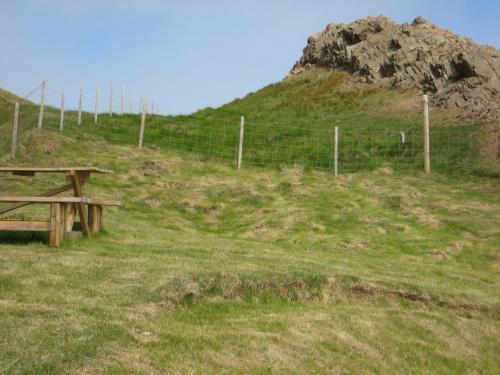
<point x="207" y="269"/>
<point x="274" y="269"/>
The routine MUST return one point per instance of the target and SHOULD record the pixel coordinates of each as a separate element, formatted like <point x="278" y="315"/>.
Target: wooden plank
<point x="55" y="225"/>
<point x="64" y="214"/>
<point x="54" y="170"/>
<point x="50" y="193"/>
<point x="77" y="189"/>
<point x="106" y="203"/>
<point x="44" y="199"/>
<point x="25" y="226"/>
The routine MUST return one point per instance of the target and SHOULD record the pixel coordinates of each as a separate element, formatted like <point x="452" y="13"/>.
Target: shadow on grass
<point x="17" y="238"/>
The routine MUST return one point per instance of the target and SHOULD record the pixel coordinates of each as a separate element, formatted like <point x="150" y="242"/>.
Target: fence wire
<point x="454" y="149"/>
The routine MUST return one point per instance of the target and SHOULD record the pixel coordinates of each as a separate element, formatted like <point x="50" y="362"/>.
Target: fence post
<point x="42" y="105"/>
<point x="111" y="99"/>
<point x="61" y="122"/>
<point x="143" y="123"/>
<point x="336" y="153"/>
<point x="132" y="104"/>
<point x="96" y="111"/>
<point x="427" y="147"/>
<point x="14" y="130"/>
<point x="240" y="146"/>
<point x="80" y="107"/>
<point x="122" y="102"/>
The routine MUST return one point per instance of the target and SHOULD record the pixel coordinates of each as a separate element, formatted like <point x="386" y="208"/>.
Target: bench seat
<point x="62" y="216"/>
<point x="46" y="200"/>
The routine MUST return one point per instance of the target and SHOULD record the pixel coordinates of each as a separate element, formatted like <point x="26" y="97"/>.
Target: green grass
<point x="292" y="123"/>
<point x="276" y="268"/>
<point x="210" y="270"/>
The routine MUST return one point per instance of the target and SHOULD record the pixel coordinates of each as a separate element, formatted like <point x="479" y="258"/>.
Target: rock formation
<point x="453" y="70"/>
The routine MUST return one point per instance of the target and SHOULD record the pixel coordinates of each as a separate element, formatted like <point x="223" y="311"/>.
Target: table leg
<point x="55" y="225"/>
<point x="94" y="218"/>
<point x="77" y="189"/>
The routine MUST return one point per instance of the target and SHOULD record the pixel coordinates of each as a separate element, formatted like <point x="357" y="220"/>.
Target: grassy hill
<point x="211" y="270"/>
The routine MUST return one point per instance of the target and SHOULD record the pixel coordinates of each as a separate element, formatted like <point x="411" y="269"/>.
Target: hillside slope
<point x="277" y="268"/>
<point x="208" y="269"/>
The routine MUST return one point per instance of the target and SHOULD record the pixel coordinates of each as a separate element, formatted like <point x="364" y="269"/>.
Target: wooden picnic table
<point x="77" y="178"/>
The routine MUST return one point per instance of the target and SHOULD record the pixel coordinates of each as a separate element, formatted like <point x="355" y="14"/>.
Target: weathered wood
<point x="427" y="142"/>
<point x="70" y="218"/>
<point x="55" y="225"/>
<point x="111" y="92"/>
<point x="14" y="130"/>
<point x="42" y="104"/>
<point x="93" y="218"/>
<point x="143" y="123"/>
<point x="61" y="121"/>
<point x="240" y="146"/>
<point x="336" y="153"/>
<point x="64" y="213"/>
<point x="96" y="111"/>
<point x="47" y="194"/>
<point x="49" y="200"/>
<point x="80" y="107"/>
<point x="25" y="226"/>
<point x="122" y="100"/>
<point x="106" y="203"/>
<point x="77" y="189"/>
<point x="17" y="170"/>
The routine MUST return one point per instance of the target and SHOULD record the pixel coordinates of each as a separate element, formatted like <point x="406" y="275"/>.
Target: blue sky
<point x="187" y="55"/>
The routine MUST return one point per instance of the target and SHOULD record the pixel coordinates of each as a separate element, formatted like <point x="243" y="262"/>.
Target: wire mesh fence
<point x="364" y="146"/>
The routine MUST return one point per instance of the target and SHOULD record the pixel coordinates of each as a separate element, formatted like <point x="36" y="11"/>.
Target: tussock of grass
<point x="251" y="288"/>
<point x="257" y="289"/>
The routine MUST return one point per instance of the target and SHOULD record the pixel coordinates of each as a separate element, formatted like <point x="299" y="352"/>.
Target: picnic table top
<point x="54" y="170"/>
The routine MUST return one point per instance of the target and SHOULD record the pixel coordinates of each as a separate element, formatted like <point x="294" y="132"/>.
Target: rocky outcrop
<point x="456" y="72"/>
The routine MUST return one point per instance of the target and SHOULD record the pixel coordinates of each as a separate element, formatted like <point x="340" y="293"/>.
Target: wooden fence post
<point x="132" y="104"/>
<point x="96" y="112"/>
<point x="143" y="123"/>
<point x="122" y="101"/>
<point x="61" y="122"/>
<point x="14" y="130"/>
<point x="427" y="143"/>
<point x="42" y="105"/>
<point x="80" y="107"/>
<point x="240" y="146"/>
<point x="336" y="153"/>
<point x="111" y="99"/>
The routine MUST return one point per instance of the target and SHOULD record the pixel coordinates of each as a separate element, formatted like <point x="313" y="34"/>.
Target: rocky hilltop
<point x="453" y="70"/>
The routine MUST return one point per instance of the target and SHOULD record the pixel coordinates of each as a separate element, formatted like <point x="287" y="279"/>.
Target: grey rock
<point x="453" y="70"/>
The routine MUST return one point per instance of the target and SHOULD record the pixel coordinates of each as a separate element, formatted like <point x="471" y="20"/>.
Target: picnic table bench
<point x="63" y="210"/>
